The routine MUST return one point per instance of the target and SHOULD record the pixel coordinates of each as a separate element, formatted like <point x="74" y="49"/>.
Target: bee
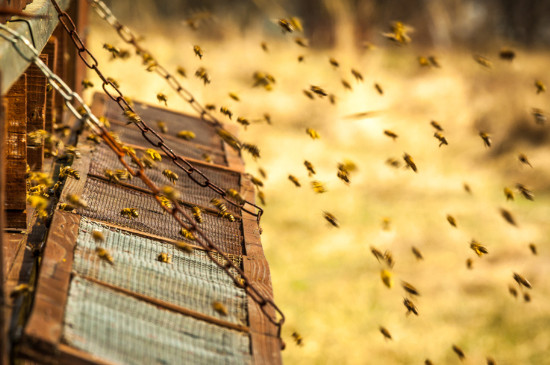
<point x="153" y="155"/>
<point x="114" y="51"/>
<point x="346" y="85"/>
<point x="230" y="139"/>
<point x="77" y="201"/>
<point x="235" y="195"/>
<point x="309" y="94"/>
<point x="187" y="234"/>
<point x="377" y="253"/>
<point x="333" y="62"/>
<point x="540" y="116"/>
<point x="526" y="297"/>
<point x="162" y="98"/>
<point x="318" y="90"/>
<point x="410" y="306"/>
<point x="184" y="246"/>
<point x="147" y="162"/>
<point x="132" y="117"/>
<point x="243" y="121"/>
<point x="309" y="167"/>
<point x="507" y="54"/>
<point x="358" y="76"/>
<point x="302" y="42"/>
<point x="129" y="213"/>
<point x="261" y="197"/>
<point x="392" y="162"/>
<point x="262" y="172"/>
<point x="294" y="180"/>
<point x="490" y="361"/>
<point x="203" y="75"/>
<point x="388" y="258"/>
<point x="416" y="252"/>
<point x="469" y="264"/>
<point x="68" y="171"/>
<point x="467" y="188"/>
<point x="296" y="23"/>
<point x="187" y="135"/>
<point x="170" y="193"/>
<point x="451" y="220"/>
<point x="459" y="352"/>
<point x="434" y="61"/>
<point x="331" y="219"/>
<point x="507" y="215"/>
<point x="385" y="333"/>
<point x="312" y="133"/>
<point x="386" y="224"/>
<point x="162" y="126"/>
<point x="227" y="216"/>
<point x="386" y="277"/>
<point x="170" y="175"/>
<point x="267" y="118"/>
<point x="428" y="362"/>
<point x="225" y="111"/>
<point x="98" y="236"/>
<point x="197" y="214"/>
<point x="298" y="338"/>
<point x="210" y="107"/>
<point x="398" y="33"/>
<point x="483" y="61"/>
<point x="164" y="257"/>
<point x="181" y="71"/>
<point x="218" y="204"/>
<point x="285" y="25"/>
<point x="509" y="194"/>
<point x="207" y="158"/>
<point x="113" y="82"/>
<point x="410" y="163"/>
<point x="332" y="99"/>
<point x="527" y="194"/>
<point x="94" y="138"/>
<point x="104" y="255"/>
<point x="390" y="134"/>
<point x="318" y="187"/>
<point x="533" y="248"/>
<point x="442" y="140"/>
<point x="198" y="51"/>
<point x="409" y="288"/>
<point x="86" y="84"/>
<point x="20" y="290"/>
<point x="522" y="281"/>
<point x="540" y="86"/>
<point x="486" y="139"/>
<point x="523" y="159"/>
<point x="513" y="291"/>
<point x="436" y="125"/>
<point x="41" y="190"/>
<point x="264" y="47"/>
<point x="379" y="89"/>
<point x="66" y="207"/>
<point x="220" y="308"/>
<point x="300" y="58"/>
<point x="478" y="248"/>
<point x="343" y="175"/>
<point x="423" y="61"/>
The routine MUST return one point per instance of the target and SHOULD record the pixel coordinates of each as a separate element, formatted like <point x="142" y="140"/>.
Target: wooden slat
<point x="51" y="51"/>
<point x="36" y="109"/>
<point x="60" y="70"/>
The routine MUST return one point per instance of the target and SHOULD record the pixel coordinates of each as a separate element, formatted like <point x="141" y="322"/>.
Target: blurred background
<point x="326" y="279"/>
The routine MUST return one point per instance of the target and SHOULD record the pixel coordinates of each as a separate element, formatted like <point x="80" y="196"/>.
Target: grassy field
<point x="325" y="279"/>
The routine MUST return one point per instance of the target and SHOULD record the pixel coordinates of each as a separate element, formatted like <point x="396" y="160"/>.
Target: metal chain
<point x="147" y="132"/>
<point x="30" y="54"/>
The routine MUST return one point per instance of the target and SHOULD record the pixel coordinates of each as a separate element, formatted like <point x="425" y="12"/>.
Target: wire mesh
<point x="129" y="331"/>
<point x="191" y="280"/>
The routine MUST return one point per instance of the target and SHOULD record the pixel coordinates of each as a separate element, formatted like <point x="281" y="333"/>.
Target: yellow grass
<point x="325" y="279"/>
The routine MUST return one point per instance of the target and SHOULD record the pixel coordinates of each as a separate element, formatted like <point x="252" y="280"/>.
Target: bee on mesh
<point x="104" y="255"/>
<point x="220" y="308"/>
<point x="188" y="234"/>
<point x="164" y="258"/>
<point x="77" y="201"/>
<point x="130" y="213"/>
<point x="170" y="175"/>
<point x="153" y="154"/>
<point x="69" y="171"/>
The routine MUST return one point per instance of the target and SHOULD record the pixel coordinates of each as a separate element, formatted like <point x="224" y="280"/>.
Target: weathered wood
<point x="45" y="324"/>
<point x="36" y="109"/>
<point x="51" y="51"/>
<point x="3" y="315"/>
<point x="64" y="355"/>
<point x="16" y="155"/>
<point x="60" y="70"/>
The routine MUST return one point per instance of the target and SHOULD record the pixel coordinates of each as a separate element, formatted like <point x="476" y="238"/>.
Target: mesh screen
<point x="106" y="200"/>
<point x="192" y="280"/>
<point x="102" y="158"/>
<point x="126" y="330"/>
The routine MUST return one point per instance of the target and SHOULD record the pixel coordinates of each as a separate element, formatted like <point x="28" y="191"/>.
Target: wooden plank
<point x="3" y="264"/>
<point x="233" y="158"/>
<point x="60" y="70"/>
<point x="45" y="324"/>
<point x="64" y="355"/>
<point x="36" y="109"/>
<point x="51" y="51"/>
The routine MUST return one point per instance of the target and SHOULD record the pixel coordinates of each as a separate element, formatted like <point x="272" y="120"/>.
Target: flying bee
<point x="197" y="214"/>
<point x="509" y="194"/>
<point x="228" y="138"/>
<point x="302" y="42"/>
<point x="198" y="51"/>
<point x="132" y="117"/>
<point x="112" y="81"/>
<point x="129" y="213"/>
<point x="523" y="159"/>
<point x="393" y="162"/>
<point x="469" y="264"/>
<point x="386" y="277"/>
<point x="218" y="204"/>
<point x="162" y="98"/>
<point x="153" y="155"/>
<point x="203" y="75"/>
<point x="409" y="288"/>
<point x="243" y="121"/>
<point x="467" y="188"/>
<point x="181" y="71"/>
<point x="333" y="62"/>
<point x="540" y="86"/>
<point x="423" y="61"/>
<point x="235" y="195"/>
<point x="507" y="54"/>
<point x="170" y="175"/>
<point x="114" y="51"/>
<point x="398" y="33"/>
<point x="410" y="306"/>
<point x="309" y="94"/>
<point x="379" y="88"/>
<point x="220" y="308"/>
<point x="267" y="118"/>
<point x="540" y="116"/>
<point x="162" y="126"/>
<point x="309" y="167"/>
<point x="390" y="134"/>
<point x="358" y="76"/>
<point x="252" y="149"/>
<point x="77" y="201"/>
<point x="377" y="253"/>
<point x="513" y="291"/>
<point x="104" y="255"/>
<point x="507" y="215"/>
<point x="346" y="85"/>
<point x="434" y="61"/>
<point x="20" y="290"/>
<point x="428" y="362"/>
<point x="385" y="333"/>
<point x="331" y="219"/>
<point x="86" y="84"/>
<point x="264" y="47"/>
<point x="478" y="248"/>
<point x="416" y="252"/>
<point x="451" y="220"/>
<point x="312" y="133"/>
<point x="527" y="194"/>
<point x="187" y="234"/>
<point x="318" y="187"/>
<point x="388" y="258"/>
<point x="98" y="236"/>
<point x="486" y="139"/>
<point x="225" y="111"/>
<point x="526" y="297"/>
<point x="483" y="61"/>
<point x="261" y="197"/>
<point x="522" y="281"/>
<point x="234" y="96"/>
<point x="410" y="163"/>
<point x="294" y="180"/>
<point x="318" y="90"/>
<point x="298" y="338"/>
<point x="459" y="352"/>
<point x="332" y="99"/>
<point x="170" y="193"/>
<point x="285" y="25"/>
<point x="210" y="107"/>
<point x="186" y="135"/>
<point x="165" y="258"/>
<point x="300" y="58"/>
<point x="256" y="181"/>
<point x="262" y="172"/>
<point x="441" y="138"/>
<point x="436" y="125"/>
<point x="386" y="224"/>
<point x="533" y="248"/>
<point x="343" y="175"/>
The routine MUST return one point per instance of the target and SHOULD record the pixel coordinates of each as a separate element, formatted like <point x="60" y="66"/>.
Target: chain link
<point x="118" y="97"/>
<point x="74" y="103"/>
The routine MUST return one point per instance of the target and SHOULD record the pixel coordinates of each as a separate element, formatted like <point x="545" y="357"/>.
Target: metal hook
<point x="28" y="25"/>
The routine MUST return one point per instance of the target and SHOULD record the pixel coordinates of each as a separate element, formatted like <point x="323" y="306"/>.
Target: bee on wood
<point x="436" y="125"/>
<point x="483" y="61"/>
<point x="153" y="155"/>
<point x="129" y="213"/>
<point x="86" y="84"/>
<point x="220" y="308"/>
<point x="410" y="163"/>
<point x="302" y="42"/>
<point x="478" y="248"/>
<point x="390" y="134"/>
<point x="533" y="248"/>
<point x="98" y="236"/>
<point x="68" y="171"/>
<point x="410" y="306"/>
<point x="451" y="220"/>
<point x="197" y="214"/>
<point x="186" y="135"/>
<point x="187" y="234"/>
<point x="202" y="74"/>
<point x="409" y="288"/>
<point x="207" y="158"/>
<point x="507" y="215"/>
<point x="442" y="140"/>
<point x="294" y="180"/>
<point x="387" y="278"/>
<point x="540" y="86"/>
<point x="416" y="252"/>
<point x="318" y="90"/>
<point x="509" y="194"/>
<point x="385" y="333"/>
<point x="104" y="255"/>
<point x="331" y="219"/>
<point x="358" y="76"/>
<point x="312" y="133"/>
<point x="486" y="139"/>
<point x="181" y="71"/>
<point x="522" y="281"/>
<point x="261" y="197"/>
<point x="77" y="201"/>
<point x="298" y="339"/>
<point x="20" y="290"/>
<point x="162" y="126"/>
<point x="523" y="159"/>
<point x="459" y="352"/>
<point x="225" y="111"/>
<point x="507" y="54"/>
<point x="198" y="51"/>
<point x="527" y="194"/>
<point x="165" y="258"/>
<point x="170" y="175"/>
<point x="318" y="187"/>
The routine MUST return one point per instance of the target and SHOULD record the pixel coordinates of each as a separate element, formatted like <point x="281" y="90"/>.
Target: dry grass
<point x="325" y="279"/>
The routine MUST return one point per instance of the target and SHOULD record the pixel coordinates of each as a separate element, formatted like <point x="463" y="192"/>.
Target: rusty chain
<point x="70" y="98"/>
<point x="147" y="132"/>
